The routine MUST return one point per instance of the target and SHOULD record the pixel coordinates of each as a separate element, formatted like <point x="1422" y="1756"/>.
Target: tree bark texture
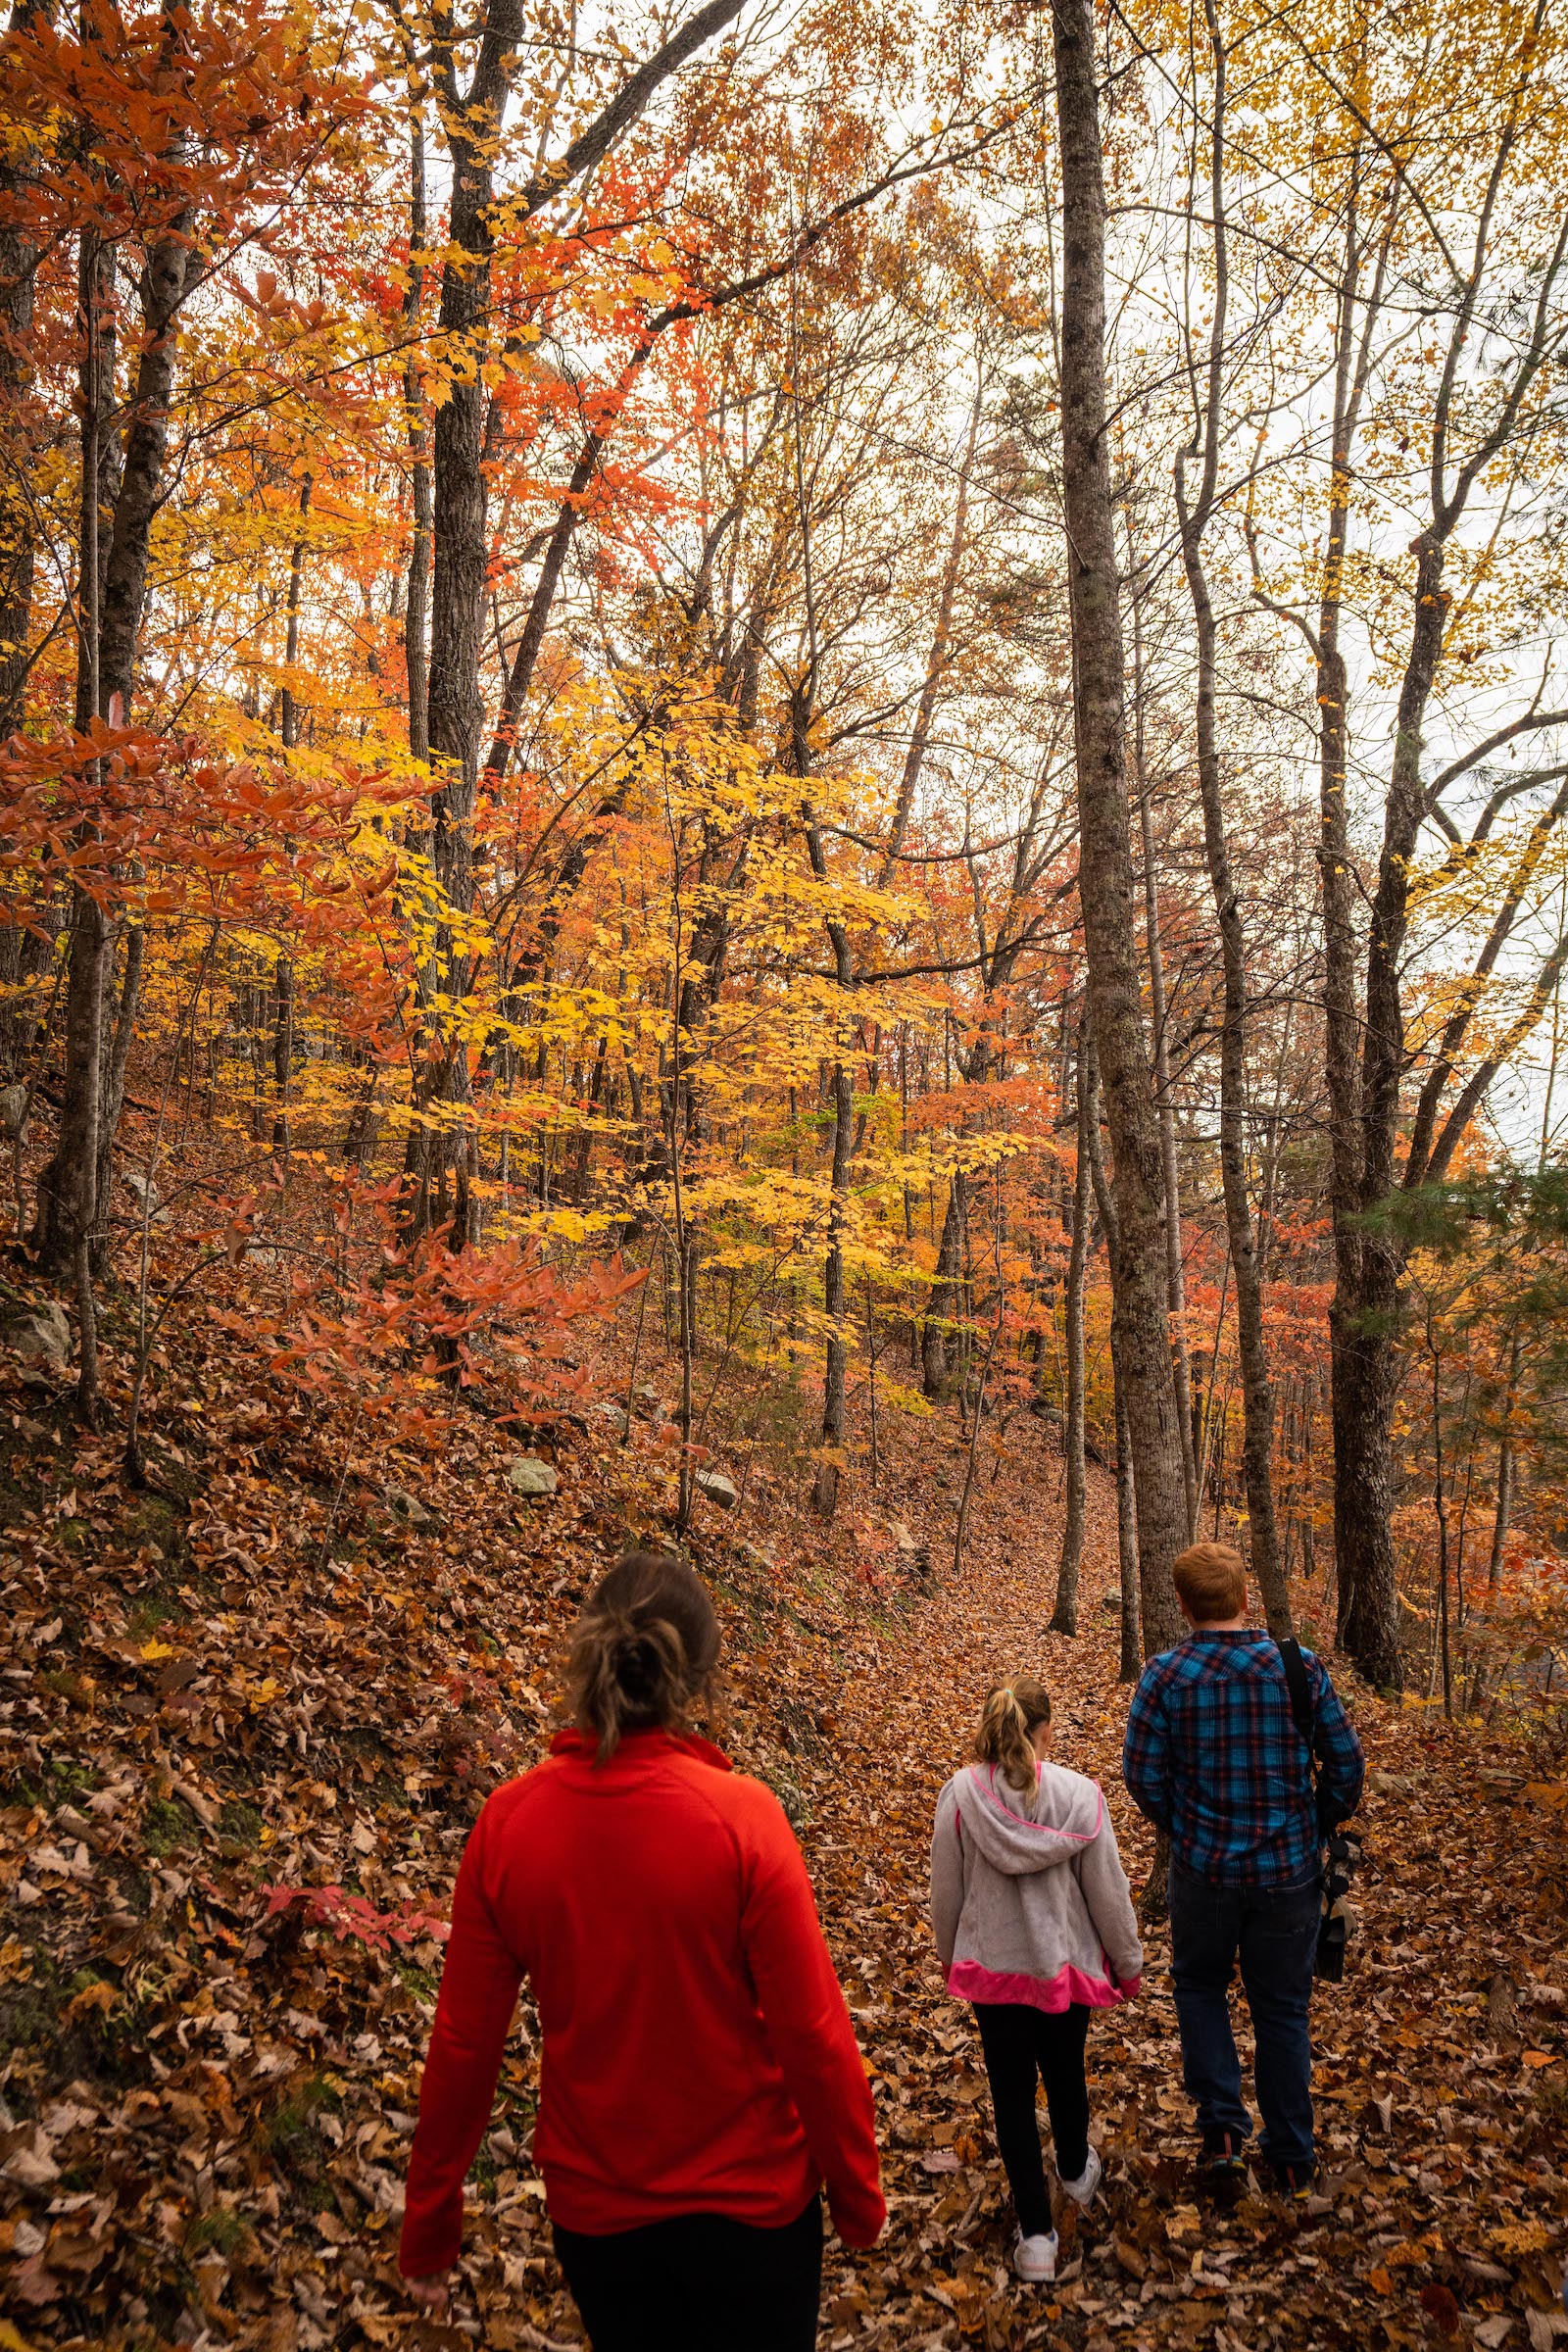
<point x="944" y="1296"/>
<point x="1194" y="514"/>
<point x="842" y="1092"/>
<point x="1369" y="1364"/>
<point x="1175" y="1271"/>
<point x="1064" y="1617"/>
<point x="416" y="607"/>
<point x="112" y="599"/>
<point x="19" y="262"/>
<point x="1105" y="866"/>
<point x="68" y="1183"/>
<point x="111" y="1084"/>
<point x="1126" y="1478"/>
<point x="146" y="445"/>
<point x="833" y="1399"/>
<point x="289" y="713"/>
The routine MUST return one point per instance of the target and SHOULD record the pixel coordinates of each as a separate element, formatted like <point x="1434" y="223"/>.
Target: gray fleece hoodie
<point x="1029" y="1899"/>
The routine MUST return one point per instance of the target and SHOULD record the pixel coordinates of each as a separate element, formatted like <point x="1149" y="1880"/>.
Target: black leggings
<point x="699" y="2282"/>
<point x="1023" y="2045"/>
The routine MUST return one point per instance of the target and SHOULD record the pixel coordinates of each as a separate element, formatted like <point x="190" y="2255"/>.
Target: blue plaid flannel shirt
<point x="1213" y="1754"/>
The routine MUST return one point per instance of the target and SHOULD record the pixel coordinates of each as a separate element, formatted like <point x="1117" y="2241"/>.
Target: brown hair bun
<point x="644" y="1647"/>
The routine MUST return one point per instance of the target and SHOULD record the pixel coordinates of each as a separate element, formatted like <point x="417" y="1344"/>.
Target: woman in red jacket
<point x="701" y="2078"/>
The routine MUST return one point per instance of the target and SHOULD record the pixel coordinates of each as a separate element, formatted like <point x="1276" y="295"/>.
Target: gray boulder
<point x="14" y="1112"/>
<point x="1111" y="1601"/>
<point x="717" y="1489"/>
<point x="39" y="1335"/>
<point x="148" y="1199"/>
<point x="408" y="1511"/>
<point x="531" y="1477"/>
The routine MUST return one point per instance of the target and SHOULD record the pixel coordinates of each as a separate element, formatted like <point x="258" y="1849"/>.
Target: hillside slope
<point x="236" y="1776"/>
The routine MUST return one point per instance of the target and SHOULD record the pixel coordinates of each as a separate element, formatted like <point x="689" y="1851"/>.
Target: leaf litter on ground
<point x="242" y="1742"/>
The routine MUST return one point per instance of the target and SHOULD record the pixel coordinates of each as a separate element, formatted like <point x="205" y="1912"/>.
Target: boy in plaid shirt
<point x="1214" y="1758"/>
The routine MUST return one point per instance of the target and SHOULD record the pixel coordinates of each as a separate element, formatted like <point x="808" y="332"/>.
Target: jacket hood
<point x="1020" y="1832"/>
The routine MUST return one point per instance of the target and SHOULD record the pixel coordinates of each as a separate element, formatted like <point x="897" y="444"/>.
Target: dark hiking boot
<point x="1222" y="2172"/>
<point x="1296" y="2183"/>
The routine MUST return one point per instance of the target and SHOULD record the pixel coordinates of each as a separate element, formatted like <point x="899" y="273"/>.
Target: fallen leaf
<point x="1438" y="2302"/>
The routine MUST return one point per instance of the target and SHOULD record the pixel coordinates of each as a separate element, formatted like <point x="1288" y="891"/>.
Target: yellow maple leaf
<point x="1521" y="2237"/>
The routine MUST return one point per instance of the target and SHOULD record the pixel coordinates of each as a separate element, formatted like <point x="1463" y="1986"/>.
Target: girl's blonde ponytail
<point x="1012" y="1713"/>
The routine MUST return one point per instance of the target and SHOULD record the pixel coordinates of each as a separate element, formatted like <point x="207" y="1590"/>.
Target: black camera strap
<point x="1344" y="1851"/>
<point x="1301" y="1692"/>
<point x="1304" y="1713"/>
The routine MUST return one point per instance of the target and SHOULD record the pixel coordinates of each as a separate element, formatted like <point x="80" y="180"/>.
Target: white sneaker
<point x="1082" y="2190"/>
<point x="1035" y="2257"/>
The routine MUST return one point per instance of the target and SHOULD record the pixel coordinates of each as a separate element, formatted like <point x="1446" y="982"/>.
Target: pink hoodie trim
<point x="967" y="1981"/>
<point x="1045" y="1828"/>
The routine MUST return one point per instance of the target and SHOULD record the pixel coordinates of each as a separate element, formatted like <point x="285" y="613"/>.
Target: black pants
<point x="1273" y="1931"/>
<point x="700" y="2283"/>
<point x="1023" y="2046"/>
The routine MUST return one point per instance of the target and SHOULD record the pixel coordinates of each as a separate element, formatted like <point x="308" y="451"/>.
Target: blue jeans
<point x="1274" y="1933"/>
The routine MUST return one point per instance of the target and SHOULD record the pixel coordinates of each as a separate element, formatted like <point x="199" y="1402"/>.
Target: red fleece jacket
<point x="697" y="2056"/>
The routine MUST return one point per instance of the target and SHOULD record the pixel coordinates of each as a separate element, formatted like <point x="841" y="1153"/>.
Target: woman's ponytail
<point x="1012" y="1713"/>
<point x="644" y="1648"/>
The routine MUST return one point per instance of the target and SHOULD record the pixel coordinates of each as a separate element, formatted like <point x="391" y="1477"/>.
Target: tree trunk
<point x="1194" y="516"/>
<point x="523" y="661"/>
<point x="473" y="119"/>
<point x="289" y="727"/>
<point x="1106" y="868"/>
<point x="67" y="1184"/>
<point x="282" y="1053"/>
<point x="112" y="1085"/>
<point x="115" y="587"/>
<point x="19" y="262"/>
<point x="142" y="487"/>
<point x="417" y="608"/>
<point x="1126" y="1477"/>
<point x="944" y="1295"/>
<point x="833" y="1408"/>
<point x="100" y="463"/>
<point x="1175" y="1272"/>
<point x="1502" y="1514"/>
<point x="1064" y="1617"/>
<point x="1130" y="1661"/>
<point x="1363" y="1465"/>
<point x="834" y="1428"/>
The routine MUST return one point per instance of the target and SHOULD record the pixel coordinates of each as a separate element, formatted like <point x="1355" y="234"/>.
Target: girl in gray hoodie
<point x="1035" y="1927"/>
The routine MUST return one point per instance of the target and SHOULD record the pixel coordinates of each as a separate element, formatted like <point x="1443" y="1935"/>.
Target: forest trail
<point x="235" y="1781"/>
<point x="1425" y="2090"/>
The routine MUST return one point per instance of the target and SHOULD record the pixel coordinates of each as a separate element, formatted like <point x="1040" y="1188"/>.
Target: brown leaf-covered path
<point x="235" y="1781"/>
<point x="1442" y="2202"/>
